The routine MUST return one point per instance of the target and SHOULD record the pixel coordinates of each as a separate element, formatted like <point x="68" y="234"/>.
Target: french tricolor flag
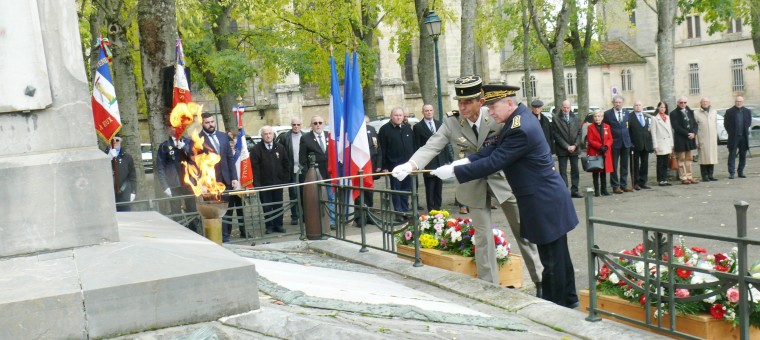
<point x="105" y="107"/>
<point x="357" y="147"/>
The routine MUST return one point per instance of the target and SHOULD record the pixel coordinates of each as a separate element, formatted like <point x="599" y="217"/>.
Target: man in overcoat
<point x="520" y="153"/>
<point x="737" y="121"/>
<point x="566" y="130"/>
<point x="457" y="129"/>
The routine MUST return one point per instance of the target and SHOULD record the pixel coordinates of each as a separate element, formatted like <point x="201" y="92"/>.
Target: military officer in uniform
<point x="521" y="153"/>
<point x="468" y="130"/>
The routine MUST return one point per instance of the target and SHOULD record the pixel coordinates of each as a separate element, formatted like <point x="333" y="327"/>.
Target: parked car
<point x="147" y="157"/>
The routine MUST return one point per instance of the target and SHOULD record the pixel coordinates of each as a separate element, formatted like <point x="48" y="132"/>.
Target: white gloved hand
<point x="168" y="192"/>
<point x="113" y="153"/>
<point x="463" y="161"/>
<point x="180" y="144"/>
<point x="444" y="172"/>
<point x="132" y="197"/>
<point x="401" y="171"/>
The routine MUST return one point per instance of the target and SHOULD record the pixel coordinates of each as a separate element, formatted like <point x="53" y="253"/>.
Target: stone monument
<point x="71" y="266"/>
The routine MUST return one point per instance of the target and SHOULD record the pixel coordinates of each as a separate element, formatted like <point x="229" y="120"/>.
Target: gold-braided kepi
<point x="492" y="93"/>
<point x="467" y="87"/>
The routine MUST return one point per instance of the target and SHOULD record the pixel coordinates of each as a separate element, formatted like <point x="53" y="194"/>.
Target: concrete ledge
<point x="160" y="275"/>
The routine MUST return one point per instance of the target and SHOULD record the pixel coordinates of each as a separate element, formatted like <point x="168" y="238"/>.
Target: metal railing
<point x="661" y="288"/>
<point x="384" y="219"/>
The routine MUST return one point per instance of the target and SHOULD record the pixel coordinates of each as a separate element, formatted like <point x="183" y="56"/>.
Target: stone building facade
<point x="706" y="65"/>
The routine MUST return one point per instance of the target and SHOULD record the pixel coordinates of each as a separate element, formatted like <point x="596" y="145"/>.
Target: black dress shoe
<point x="645" y="187"/>
<point x="576" y="195"/>
<point x="605" y="193"/>
<point x="662" y="184"/>
<point x="636" y="187"/>
<point x="742" y="176"/>
<point x="269" y="231"/>
<point x="730" y="176"/>
<point x="713" y="179"/>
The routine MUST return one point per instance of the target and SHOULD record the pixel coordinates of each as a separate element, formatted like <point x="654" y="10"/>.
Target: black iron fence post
<point x="589" y="198"/>
<point x="741" y="233"/>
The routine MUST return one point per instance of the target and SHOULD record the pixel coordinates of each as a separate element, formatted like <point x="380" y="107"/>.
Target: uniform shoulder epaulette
<point x="452" y="113"/>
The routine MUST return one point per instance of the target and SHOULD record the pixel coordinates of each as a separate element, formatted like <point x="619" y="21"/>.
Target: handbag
<point x="592" y="163"/>
<point x="673" y="163"/>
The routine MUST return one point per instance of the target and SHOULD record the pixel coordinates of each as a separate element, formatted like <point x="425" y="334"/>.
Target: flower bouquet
<point x="695" y="292"/>
<point x="438" y="230"/>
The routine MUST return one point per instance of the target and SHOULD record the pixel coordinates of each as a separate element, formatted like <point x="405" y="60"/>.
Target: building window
<point x="692" y="27"/>
<point x="625" y="80"/>
<point x="409" y="67"/>
<point x="737" y="71"/>
<point x="693" y="79"/>
<point x="735" y="26"/>
<point x="532" y="86"/>
<point x="570" y="81"/>
<point x="632" y="18"/>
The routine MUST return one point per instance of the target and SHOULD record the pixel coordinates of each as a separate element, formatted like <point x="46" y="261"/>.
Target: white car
<point x="723" y="134"/>
<point x="147" y="157"/>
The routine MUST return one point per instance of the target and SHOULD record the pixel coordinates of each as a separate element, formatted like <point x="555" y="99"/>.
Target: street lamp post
<point x="433" y="24"/>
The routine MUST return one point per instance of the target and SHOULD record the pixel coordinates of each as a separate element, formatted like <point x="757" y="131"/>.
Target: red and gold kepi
<point x="467" y="87"/>
<point x="492" y="93"/>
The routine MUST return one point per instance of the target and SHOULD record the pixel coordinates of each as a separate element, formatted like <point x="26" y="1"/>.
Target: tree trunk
<point x="426" y="60"/>
<point x="221" y="30"/>
<point x="526" y="56"/>
<point x="755" y="23"/>
<point x="367" y="34"/>
<point x="554" y="46"/>
<point x="467" y="65"/>
<point x="157" y="20"/>
<point x="125" y="85"/>
<point x="581" y="53"/>
<point x="226" y="102"/>
<point x="666" y="18"/>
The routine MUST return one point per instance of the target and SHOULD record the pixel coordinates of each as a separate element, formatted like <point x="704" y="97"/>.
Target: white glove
<point x="401" y="171"/>
<point x="444" y="172"/>
<point x="132" y="197"/>
<point x="113" y="153"/>
<point x="180" y="144"/>
<point x="168" y="192"/>
<point x="463" y="161"/>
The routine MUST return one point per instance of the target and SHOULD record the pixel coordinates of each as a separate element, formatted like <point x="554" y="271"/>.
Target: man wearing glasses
<point x="315" y="143"/>
<point x="291" y="140"/>
<point x="617" y="119"/>
<point x="124" y="176"/>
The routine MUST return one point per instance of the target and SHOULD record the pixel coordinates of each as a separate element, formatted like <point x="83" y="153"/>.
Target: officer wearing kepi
<point x="468" y="130"/>
<point x="546" y="208"/>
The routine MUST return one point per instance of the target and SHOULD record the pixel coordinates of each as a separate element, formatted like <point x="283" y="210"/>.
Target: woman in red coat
<point x="599" y="141"/>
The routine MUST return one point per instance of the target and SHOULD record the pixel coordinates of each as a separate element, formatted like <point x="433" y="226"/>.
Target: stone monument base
<point x="159" y="275"/>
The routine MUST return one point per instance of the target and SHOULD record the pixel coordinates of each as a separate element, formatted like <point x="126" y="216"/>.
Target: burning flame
<point x="182" y="116"/>
<point x="201" y="175"/>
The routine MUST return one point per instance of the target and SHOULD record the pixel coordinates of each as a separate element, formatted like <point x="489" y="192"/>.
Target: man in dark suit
<point x="737" y="122"/>
<point x="641" y="137"/>
<point x="396" y="147"/>
<point x="536" y="107"/>
<point x="124" y="175"/>
<point x="422" y="132"/>
<point x="617" y="119"/>
<point x="271" y="167"/>
<point x="291" y="140"/>
<point x="315" y="143"/>
<point x="170" y="172"/>
<point x="566" y="130"/>
<point x="527" y="163"/>
<point x="218" y="143"/>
